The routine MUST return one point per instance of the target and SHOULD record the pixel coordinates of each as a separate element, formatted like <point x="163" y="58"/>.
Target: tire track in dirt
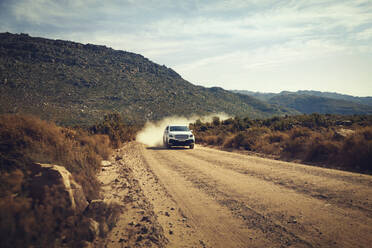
<point x="210" y="198"/>
<point x="354" y="178"/>
<point x="331" y="228"/>
<point x="333" y="190"/>
<point x="272" y="230"/>
<point x="212" y="221"/>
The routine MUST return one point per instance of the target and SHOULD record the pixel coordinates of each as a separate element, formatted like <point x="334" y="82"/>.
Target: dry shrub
<point x="322" y="151"/>
<point x="221" y="139"/>
<point x="44" y="142"/>
<point x="105" y="213"/>
<point x="356" y="151"/>
<point x="277" y="137"/>
<point x="319" y="139"/>
<point x="235" y="141"/>
<point x="11" y="182"/>
<point x="294" y="148"/>
<point x="366" y="132"/>
<point x="228" y="143"/>
<point x="353" y="152"/>
<point x="263" y="146"/>
<point x="300" y="132"/>
<point x="117" y="131"/>
<point x="245" y="139"/>
<point x="25" y="220"/>
<point x="210" y="140"/>
<point x="240" y="140"/>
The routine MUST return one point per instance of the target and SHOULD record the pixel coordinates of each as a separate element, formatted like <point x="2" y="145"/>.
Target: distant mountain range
<point x="73" y="83"/>
<point x="306" y="101"/>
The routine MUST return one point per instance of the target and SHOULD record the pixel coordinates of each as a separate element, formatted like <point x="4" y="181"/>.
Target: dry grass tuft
<point x="25" y="220"/>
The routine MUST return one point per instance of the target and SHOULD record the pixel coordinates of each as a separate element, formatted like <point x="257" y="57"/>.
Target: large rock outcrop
<point x="45" y="176"/>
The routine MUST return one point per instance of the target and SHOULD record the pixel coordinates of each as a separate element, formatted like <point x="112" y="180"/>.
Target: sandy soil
<point x="210" y="198"/>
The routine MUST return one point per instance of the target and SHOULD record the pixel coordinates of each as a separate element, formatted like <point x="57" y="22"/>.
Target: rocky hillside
<point x="308" y="102"/>
<point x="73" y="83"/>
<point x="362" y="100"/>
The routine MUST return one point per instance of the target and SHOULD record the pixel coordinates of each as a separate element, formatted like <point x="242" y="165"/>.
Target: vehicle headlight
<point x="191" y="135"/>
<point x="171" y="136"/>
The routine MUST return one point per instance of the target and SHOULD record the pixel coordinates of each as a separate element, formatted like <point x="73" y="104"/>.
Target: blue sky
<point x="258" y="45"/>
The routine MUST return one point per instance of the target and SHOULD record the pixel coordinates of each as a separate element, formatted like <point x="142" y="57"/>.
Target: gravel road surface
<point x="209" y="198"/>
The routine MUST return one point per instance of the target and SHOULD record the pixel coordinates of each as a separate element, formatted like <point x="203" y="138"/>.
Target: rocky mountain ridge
<point x="76" y="84"/>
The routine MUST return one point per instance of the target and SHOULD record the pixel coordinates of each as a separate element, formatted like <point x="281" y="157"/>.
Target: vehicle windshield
<point x="178" y="128"/>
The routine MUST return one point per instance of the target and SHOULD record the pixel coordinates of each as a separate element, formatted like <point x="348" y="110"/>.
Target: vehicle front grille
<point x="181" y="136"/>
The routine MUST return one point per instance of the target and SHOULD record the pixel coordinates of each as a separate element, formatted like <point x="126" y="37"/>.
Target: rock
<point x="145" y="219"/>
<point x="292" y="220"/>
<point x="144" y="230"/>
<point x="93" y="229"/>
<point x="97" y="205"/>
<point x="106" y="163"/>
<point x="55" y="175"/>
<point x="103" y="229"/>
<point x="139" y="238"/>
<point x="105" y="212"/>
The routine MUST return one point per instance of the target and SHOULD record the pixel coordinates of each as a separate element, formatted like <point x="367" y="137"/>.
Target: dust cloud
<point x="152" y="133"/>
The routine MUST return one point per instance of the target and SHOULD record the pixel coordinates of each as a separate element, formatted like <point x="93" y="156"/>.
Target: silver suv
<point x="178" y="135"/>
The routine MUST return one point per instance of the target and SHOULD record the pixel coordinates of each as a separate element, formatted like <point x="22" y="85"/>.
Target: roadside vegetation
<point x="336" y="141"/>
<point x="114" y="127"/>
<point x="28" y="219"/>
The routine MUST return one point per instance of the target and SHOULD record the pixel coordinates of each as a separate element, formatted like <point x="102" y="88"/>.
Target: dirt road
<point x="210" y="198"/>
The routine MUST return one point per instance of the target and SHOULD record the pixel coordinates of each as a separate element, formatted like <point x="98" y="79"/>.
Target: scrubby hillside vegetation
<point x="35" y="208"/>
<point x="336" y="141"/>
<point x="73" y="83"/>
<point x="308" y="101"/>
<point x="308" y="104"/>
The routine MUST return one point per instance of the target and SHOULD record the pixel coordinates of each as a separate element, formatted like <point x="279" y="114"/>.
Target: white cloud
<point x="364" y="35"/>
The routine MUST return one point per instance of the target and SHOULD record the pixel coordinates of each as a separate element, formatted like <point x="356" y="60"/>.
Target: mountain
<point x="362" y="100"/>
<point x="308" y="104"/>
<point x="258" y="95"/>
<point x="73" y="83"/>
<point x="315" y="101"/>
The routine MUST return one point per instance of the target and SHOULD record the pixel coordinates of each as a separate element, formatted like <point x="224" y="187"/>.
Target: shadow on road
<point x="156" y="148"/>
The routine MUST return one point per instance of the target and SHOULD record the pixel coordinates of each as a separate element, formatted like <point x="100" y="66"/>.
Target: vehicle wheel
<point x="192" y="146"/>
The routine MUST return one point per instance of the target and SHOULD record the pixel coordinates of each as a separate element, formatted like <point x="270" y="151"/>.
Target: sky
<point x="256" y="45"/>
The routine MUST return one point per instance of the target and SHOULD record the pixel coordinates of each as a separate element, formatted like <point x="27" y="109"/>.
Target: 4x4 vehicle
<point x="178" y="135"/>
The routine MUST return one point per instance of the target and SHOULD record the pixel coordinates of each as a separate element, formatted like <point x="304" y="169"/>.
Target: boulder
<point x="48" y="175"/>
<point x="105" y="163"/>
